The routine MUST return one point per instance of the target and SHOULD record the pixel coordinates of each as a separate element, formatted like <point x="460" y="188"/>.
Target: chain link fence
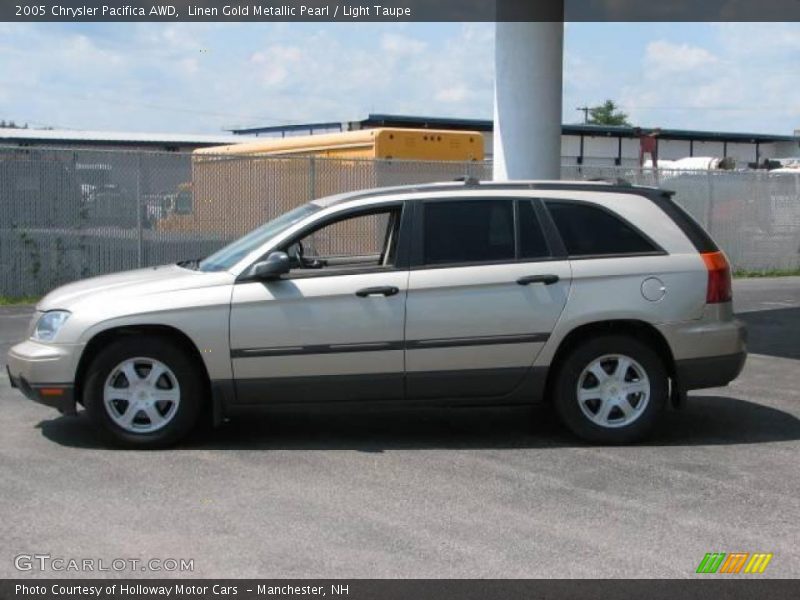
<point x="71" y="214"/>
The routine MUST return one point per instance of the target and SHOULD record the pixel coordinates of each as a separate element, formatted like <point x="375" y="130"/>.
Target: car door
<point x="485" y="290"/>
<point x="332" y="328"/>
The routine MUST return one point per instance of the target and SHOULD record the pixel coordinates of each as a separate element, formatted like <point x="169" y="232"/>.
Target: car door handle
<point x="545" y="279"/>
<point x="386" y="290"/>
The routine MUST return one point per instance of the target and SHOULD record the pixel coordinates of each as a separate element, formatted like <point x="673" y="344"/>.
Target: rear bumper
<point x="706" y="372"/>
<point x="713" y="335"/>
<point x="710" y="351"/>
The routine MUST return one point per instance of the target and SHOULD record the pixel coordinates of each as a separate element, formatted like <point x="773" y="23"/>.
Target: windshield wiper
<point x="192" y="264"/>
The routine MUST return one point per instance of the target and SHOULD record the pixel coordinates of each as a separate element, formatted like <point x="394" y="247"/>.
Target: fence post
<point x="139" y="240"/>
<point x="312" y="178"/>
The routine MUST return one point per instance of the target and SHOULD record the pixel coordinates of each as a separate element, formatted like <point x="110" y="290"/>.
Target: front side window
<point x="231" y="254"/>
<point x="357" y="241"/>
<point x="591" y="231"/>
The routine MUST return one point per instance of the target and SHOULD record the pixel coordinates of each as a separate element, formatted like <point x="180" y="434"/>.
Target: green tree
<point x="607" y="113"/>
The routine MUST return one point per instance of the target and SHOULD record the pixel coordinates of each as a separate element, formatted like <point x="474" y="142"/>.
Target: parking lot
<point x="426" y="493"/>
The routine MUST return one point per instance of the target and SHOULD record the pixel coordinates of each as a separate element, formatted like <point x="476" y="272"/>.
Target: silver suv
<point x="606" y="300"/>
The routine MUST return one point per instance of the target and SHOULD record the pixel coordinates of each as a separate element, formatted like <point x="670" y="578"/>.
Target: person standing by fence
<point x="648" y="144"/>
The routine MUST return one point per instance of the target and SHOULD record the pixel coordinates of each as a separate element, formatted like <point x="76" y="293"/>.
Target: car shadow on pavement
<point x="773" y="332"/>
<point x="707" y="420"/>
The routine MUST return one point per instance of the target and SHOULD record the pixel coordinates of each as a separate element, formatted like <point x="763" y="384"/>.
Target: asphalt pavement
<point x="424" y="493"/>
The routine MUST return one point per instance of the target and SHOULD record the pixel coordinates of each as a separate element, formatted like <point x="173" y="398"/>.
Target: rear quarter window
<point x="588" y="230"/>
<point x="686" y="223"/>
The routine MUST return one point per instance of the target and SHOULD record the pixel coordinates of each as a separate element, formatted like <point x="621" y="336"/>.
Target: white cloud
<point x="204" y="77"/>
<point x="274" y="65"/>
<point x="189" y="66"/>
<point x="458" y="93"/>
<point x="580" y="72"/>
<point x="459" y="77"/>
<point x="724" y="77"/>
<point x="278" y="53"/>
<point x="663" y="56"/>
<point x="401" y="44"/>
<point x="758" y="40"/>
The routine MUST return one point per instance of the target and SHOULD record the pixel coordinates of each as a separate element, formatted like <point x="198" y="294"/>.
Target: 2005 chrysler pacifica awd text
<point x="607" y="300"/>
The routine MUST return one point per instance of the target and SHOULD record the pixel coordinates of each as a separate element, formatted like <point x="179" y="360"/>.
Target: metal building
<point x="590" y="145"/>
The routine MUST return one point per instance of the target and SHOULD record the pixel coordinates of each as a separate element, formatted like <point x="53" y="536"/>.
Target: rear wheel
<point x="611" y="389"/>
<point x="143" y="392"/>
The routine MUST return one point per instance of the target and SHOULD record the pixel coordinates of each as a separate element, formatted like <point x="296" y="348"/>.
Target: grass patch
<point x="11" y="300"/>
<point x="744" y="273"/>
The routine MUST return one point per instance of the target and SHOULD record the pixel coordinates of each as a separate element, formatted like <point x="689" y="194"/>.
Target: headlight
<point x="48" y="325"/>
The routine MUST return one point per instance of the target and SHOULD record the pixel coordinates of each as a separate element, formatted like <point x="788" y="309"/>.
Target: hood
<point x="130" y="284"/>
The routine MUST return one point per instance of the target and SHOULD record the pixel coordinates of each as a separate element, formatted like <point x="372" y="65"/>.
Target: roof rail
<point x="612" y="180"/>
<point x="621" y="186"/>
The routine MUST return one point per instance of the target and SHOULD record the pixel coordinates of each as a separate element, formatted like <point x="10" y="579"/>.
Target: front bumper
<point x="44" y="373"/>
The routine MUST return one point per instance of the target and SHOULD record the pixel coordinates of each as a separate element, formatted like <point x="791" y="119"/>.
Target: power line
<point x="721" y="108"/>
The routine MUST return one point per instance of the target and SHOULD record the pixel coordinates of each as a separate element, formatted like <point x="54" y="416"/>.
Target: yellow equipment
<point x="385" y="143"/>
<point x="237" y="187"/>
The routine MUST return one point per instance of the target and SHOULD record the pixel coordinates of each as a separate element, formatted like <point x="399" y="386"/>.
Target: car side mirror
<point x="275" y="265"/>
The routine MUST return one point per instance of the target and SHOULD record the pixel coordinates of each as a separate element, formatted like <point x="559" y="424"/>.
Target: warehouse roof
<point x="68" y="136"/>
<point x="486" y="125"/>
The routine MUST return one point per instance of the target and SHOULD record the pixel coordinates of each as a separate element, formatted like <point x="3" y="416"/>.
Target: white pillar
<point x="527" y="100"/>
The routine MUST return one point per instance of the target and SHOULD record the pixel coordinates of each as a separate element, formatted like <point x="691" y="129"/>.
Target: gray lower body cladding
<point x="472" y="388"/>
<point x="707" y="372"/>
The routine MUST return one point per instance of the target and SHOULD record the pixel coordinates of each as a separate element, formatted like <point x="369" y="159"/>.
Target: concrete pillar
<point x="527" y="100"/>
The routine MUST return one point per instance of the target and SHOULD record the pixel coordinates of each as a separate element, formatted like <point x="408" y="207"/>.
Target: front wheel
<point x="143" y="392"/>
<point x="611" y="389"/>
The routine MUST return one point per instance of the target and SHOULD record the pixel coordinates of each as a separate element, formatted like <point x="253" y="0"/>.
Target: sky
<point x="208" y="77"/>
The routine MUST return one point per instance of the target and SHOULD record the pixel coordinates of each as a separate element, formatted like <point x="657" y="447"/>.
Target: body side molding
<point x="489" y="340"/>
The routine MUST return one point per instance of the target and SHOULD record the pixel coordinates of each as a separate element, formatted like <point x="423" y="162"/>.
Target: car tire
<point x="611" y="389"/>
<point x="144" y="392"/>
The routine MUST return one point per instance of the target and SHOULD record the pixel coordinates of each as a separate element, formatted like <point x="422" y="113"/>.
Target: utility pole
<point x="585" y="110"/>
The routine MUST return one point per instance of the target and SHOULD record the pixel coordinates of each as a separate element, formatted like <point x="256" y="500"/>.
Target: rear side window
<point x="469" y="231"/>
<point x="591" y="231"/>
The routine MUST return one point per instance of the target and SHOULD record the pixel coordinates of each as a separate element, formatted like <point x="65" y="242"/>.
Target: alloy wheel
<point x="613" y="391"/>
<point x="141" y="395"/>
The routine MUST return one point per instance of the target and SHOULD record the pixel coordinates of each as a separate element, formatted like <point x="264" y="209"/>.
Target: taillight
<point x="719" y="277"/>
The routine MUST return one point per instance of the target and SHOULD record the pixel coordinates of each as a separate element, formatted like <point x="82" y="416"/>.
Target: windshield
<point x="228" y="256"/>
